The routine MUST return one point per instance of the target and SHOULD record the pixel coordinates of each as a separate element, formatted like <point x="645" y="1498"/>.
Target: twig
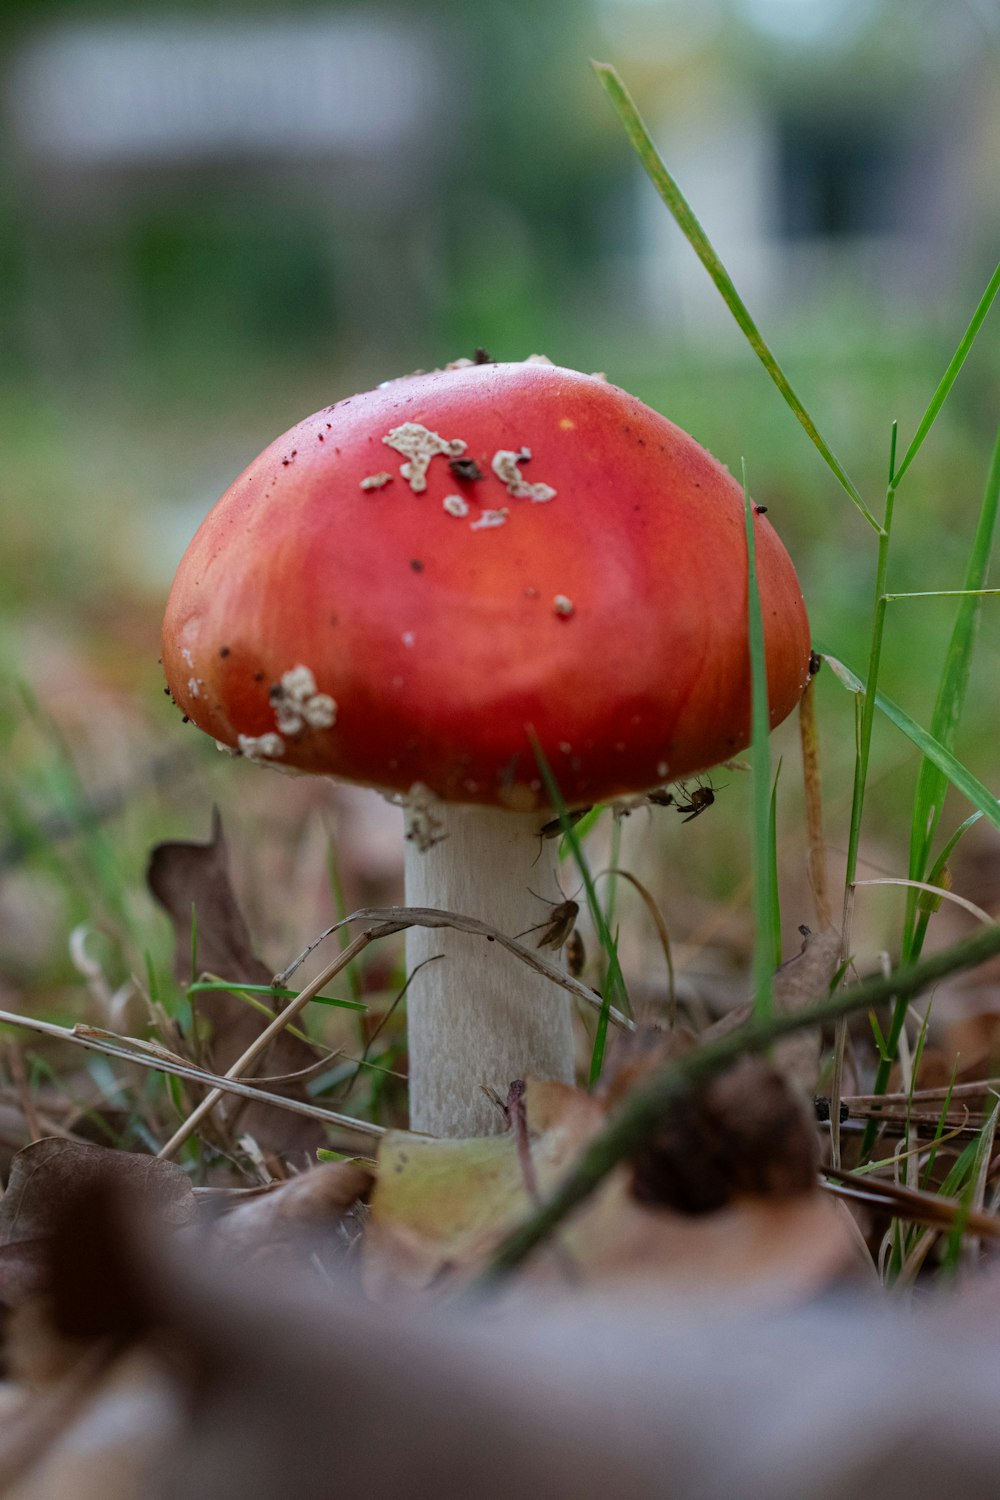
<point x="385" y="921"/>
<point x="143" y="1055"/>
<point x="930" y="1209"/>
<point x="661" y="931"/>
<point x="643" y="1112"/>
<point x="397" y="918"/>
<point x="946" y="1091"/>
<point x="261" y="1043"/>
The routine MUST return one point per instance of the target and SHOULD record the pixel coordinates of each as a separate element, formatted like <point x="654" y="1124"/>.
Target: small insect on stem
<point x="557" y="926"/>
<point x="553" y="828"/>
<point x="699" y="799"/>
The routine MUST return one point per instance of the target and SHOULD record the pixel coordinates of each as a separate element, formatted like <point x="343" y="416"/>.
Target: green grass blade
<point x="974" y="1171"/>
<point x="615" y="989"/>
<point x="959" y="775"/>
<point x="950" y="375"/>
<point x="935" y="876"/>
<point x="669" y="191"/>
<point x="928" y="1176"/>
<point x="278" y="991"/>
<point x="865" y="720"/>
<point x="582" y="827"/>
<point x="772" y="859"/>
<point x="764" y="879"/>
<point x="932" y="783"/>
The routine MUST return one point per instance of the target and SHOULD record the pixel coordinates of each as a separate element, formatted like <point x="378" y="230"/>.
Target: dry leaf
<point x="744" y="1133"/>
<point x="104" y="1445"/>
<point x="193" y="877"/>
<point x="287" y="1393"/>
<point x="53" y="1172"/>
<point x="441" y="1206"/>
<point x="273" y="1223"/>
<point x="191" y="882"/>
<point x="800" y="982"/>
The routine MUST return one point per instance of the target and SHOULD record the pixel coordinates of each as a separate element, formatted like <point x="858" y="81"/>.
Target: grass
<point x="939" y="767"/>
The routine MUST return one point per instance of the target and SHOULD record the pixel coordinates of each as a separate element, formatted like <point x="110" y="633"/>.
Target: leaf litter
<point x="720" y="1208"/>
<point x="191" y="881"/>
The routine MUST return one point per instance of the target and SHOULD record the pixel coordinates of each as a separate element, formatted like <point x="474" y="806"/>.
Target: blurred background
<point x="215" y="218"/>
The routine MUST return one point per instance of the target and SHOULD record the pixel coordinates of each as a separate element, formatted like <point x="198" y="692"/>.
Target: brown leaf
<point x="280" y="1389"/>
<point x="100" y="1441"/>
<point x="191" y="882"/>
<point x="194" y="878"/>
<point x="744" y="1133"/>
<point x="274" y="1222"/>
<point x="50" y="1173"/>
<point x="441" y="1206"/>
<point x="798" y="983"/>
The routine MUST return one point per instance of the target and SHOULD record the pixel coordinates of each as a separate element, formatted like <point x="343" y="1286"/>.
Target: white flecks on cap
<point x="662" y="768"/>
<point x="408" y="638"/>
<point x="455" y="505"/>
<point x="563" y="606"/>
<point x="376" y="481"/>
<point x="419" y="445"/>
<point x="297" y="703"/>
<point x="261" y="746"/>
<point x="424" y="826"/>
<point x="505" y="464"/>
<point x="490" y="518"/>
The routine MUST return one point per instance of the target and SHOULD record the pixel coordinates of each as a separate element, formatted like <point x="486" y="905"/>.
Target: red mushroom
<point x="408" y="584"/>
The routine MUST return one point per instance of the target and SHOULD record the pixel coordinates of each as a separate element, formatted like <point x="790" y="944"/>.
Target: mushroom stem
<point x="479" y="1016"/>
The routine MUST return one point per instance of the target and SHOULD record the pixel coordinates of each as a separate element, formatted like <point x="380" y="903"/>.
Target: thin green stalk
<point x="932" y="781"/>
<point x="958" y="774"/>
<point x="932" y="784"/>
<point x="950" y="375"/>
<point x="765" y="915"/>
<point x="867" y="713"/>
<point x="935" y="876"/>
<point x="614" y="984"/>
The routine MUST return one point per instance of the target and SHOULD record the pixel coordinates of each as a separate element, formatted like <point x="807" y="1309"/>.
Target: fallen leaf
<point x="440" y="1208"/>
<point x="273" y="1223"/>
<point x="283" y="1388"/>
<point x="798" y="983"/>
<point x="48" y="1174"/>
<point x="744" y="1133"/>
<point x="191" y="881"/>
<point x="193" y="878"/>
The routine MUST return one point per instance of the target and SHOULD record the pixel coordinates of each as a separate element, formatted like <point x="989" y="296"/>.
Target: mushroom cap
<point x="418" y="628"/>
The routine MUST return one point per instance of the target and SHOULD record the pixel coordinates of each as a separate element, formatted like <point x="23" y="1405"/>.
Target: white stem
<point x="477" y="1015"/>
